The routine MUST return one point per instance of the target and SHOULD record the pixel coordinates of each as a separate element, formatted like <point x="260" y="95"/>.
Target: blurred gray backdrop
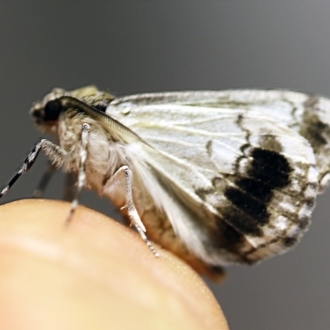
<point x="138" y="46"/>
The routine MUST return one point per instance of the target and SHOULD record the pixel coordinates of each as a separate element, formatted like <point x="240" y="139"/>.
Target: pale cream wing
<point x="249" y="180"/>
<point x="307" y="114"/>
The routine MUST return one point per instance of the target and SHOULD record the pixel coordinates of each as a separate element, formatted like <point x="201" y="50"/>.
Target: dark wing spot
<point x="270" y="142"/>
<point x="289" y="241"/>
<point x="231" y="235"/>
<point x="254" y="210"/>
<point x="255" y="188"/>
<point x="270" y="167"/>
<point x="209" y="146"/>
<point x="228" y="238"/>
<point x="241" y="221"/>
<point x="304" y="222"/>
<point x="253" y="191"/>
<point x="203" y="193"/>
<point x="313" y="129"/>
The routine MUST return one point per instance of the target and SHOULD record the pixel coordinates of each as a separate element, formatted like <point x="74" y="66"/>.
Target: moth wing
<point x="249" y="181"/>
<point x="307" y="114"/>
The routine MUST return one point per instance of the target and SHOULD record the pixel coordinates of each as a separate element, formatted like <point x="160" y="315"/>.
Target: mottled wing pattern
<point x="238" y="160"/>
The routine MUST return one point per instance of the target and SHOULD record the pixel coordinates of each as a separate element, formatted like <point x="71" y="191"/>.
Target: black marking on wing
<point x="249" y="198"/>
<point x="289" y="241"/>
<point x="270" y="167"/>
<point x="314" y="130"/>
<point x="226" y="237"/>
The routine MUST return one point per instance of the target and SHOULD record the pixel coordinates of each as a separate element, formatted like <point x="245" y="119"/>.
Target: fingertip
<point x="95" y="268"/>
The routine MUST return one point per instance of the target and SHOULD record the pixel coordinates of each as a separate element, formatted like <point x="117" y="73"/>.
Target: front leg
<point x="81" y="183"/>
<point x="57" y="157"/>
<point x="54" y="152"/>
<point x="69" y="184"/>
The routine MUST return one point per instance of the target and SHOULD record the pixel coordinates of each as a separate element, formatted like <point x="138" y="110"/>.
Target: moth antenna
<point x="82" y="170"/>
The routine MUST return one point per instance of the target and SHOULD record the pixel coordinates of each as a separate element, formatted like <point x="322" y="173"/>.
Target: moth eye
<point x="101" y="106"/>
<point x="52" y="110"/>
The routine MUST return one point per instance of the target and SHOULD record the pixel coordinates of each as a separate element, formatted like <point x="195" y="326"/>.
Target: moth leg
<point x="39" y="191"/>
<point x="70" y="181"/>
<point x="131" y="210"/>
<point x="81" y="182"/>
<point x="50" y="149"/>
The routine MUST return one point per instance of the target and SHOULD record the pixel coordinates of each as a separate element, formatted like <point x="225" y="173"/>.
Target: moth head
<point x="46" y="113"/>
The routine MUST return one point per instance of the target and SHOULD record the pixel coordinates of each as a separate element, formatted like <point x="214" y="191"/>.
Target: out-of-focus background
<point x="138" y="46"/>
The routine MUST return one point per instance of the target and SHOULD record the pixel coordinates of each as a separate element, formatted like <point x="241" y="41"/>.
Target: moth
<point x="216" y="177"/>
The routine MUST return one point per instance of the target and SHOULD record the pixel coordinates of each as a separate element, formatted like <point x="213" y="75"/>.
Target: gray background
<point x="136" y="46"/>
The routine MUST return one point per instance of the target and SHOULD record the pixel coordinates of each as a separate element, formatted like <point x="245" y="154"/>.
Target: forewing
<point x="309" y="115"/>
<point x="250" y="180"/>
